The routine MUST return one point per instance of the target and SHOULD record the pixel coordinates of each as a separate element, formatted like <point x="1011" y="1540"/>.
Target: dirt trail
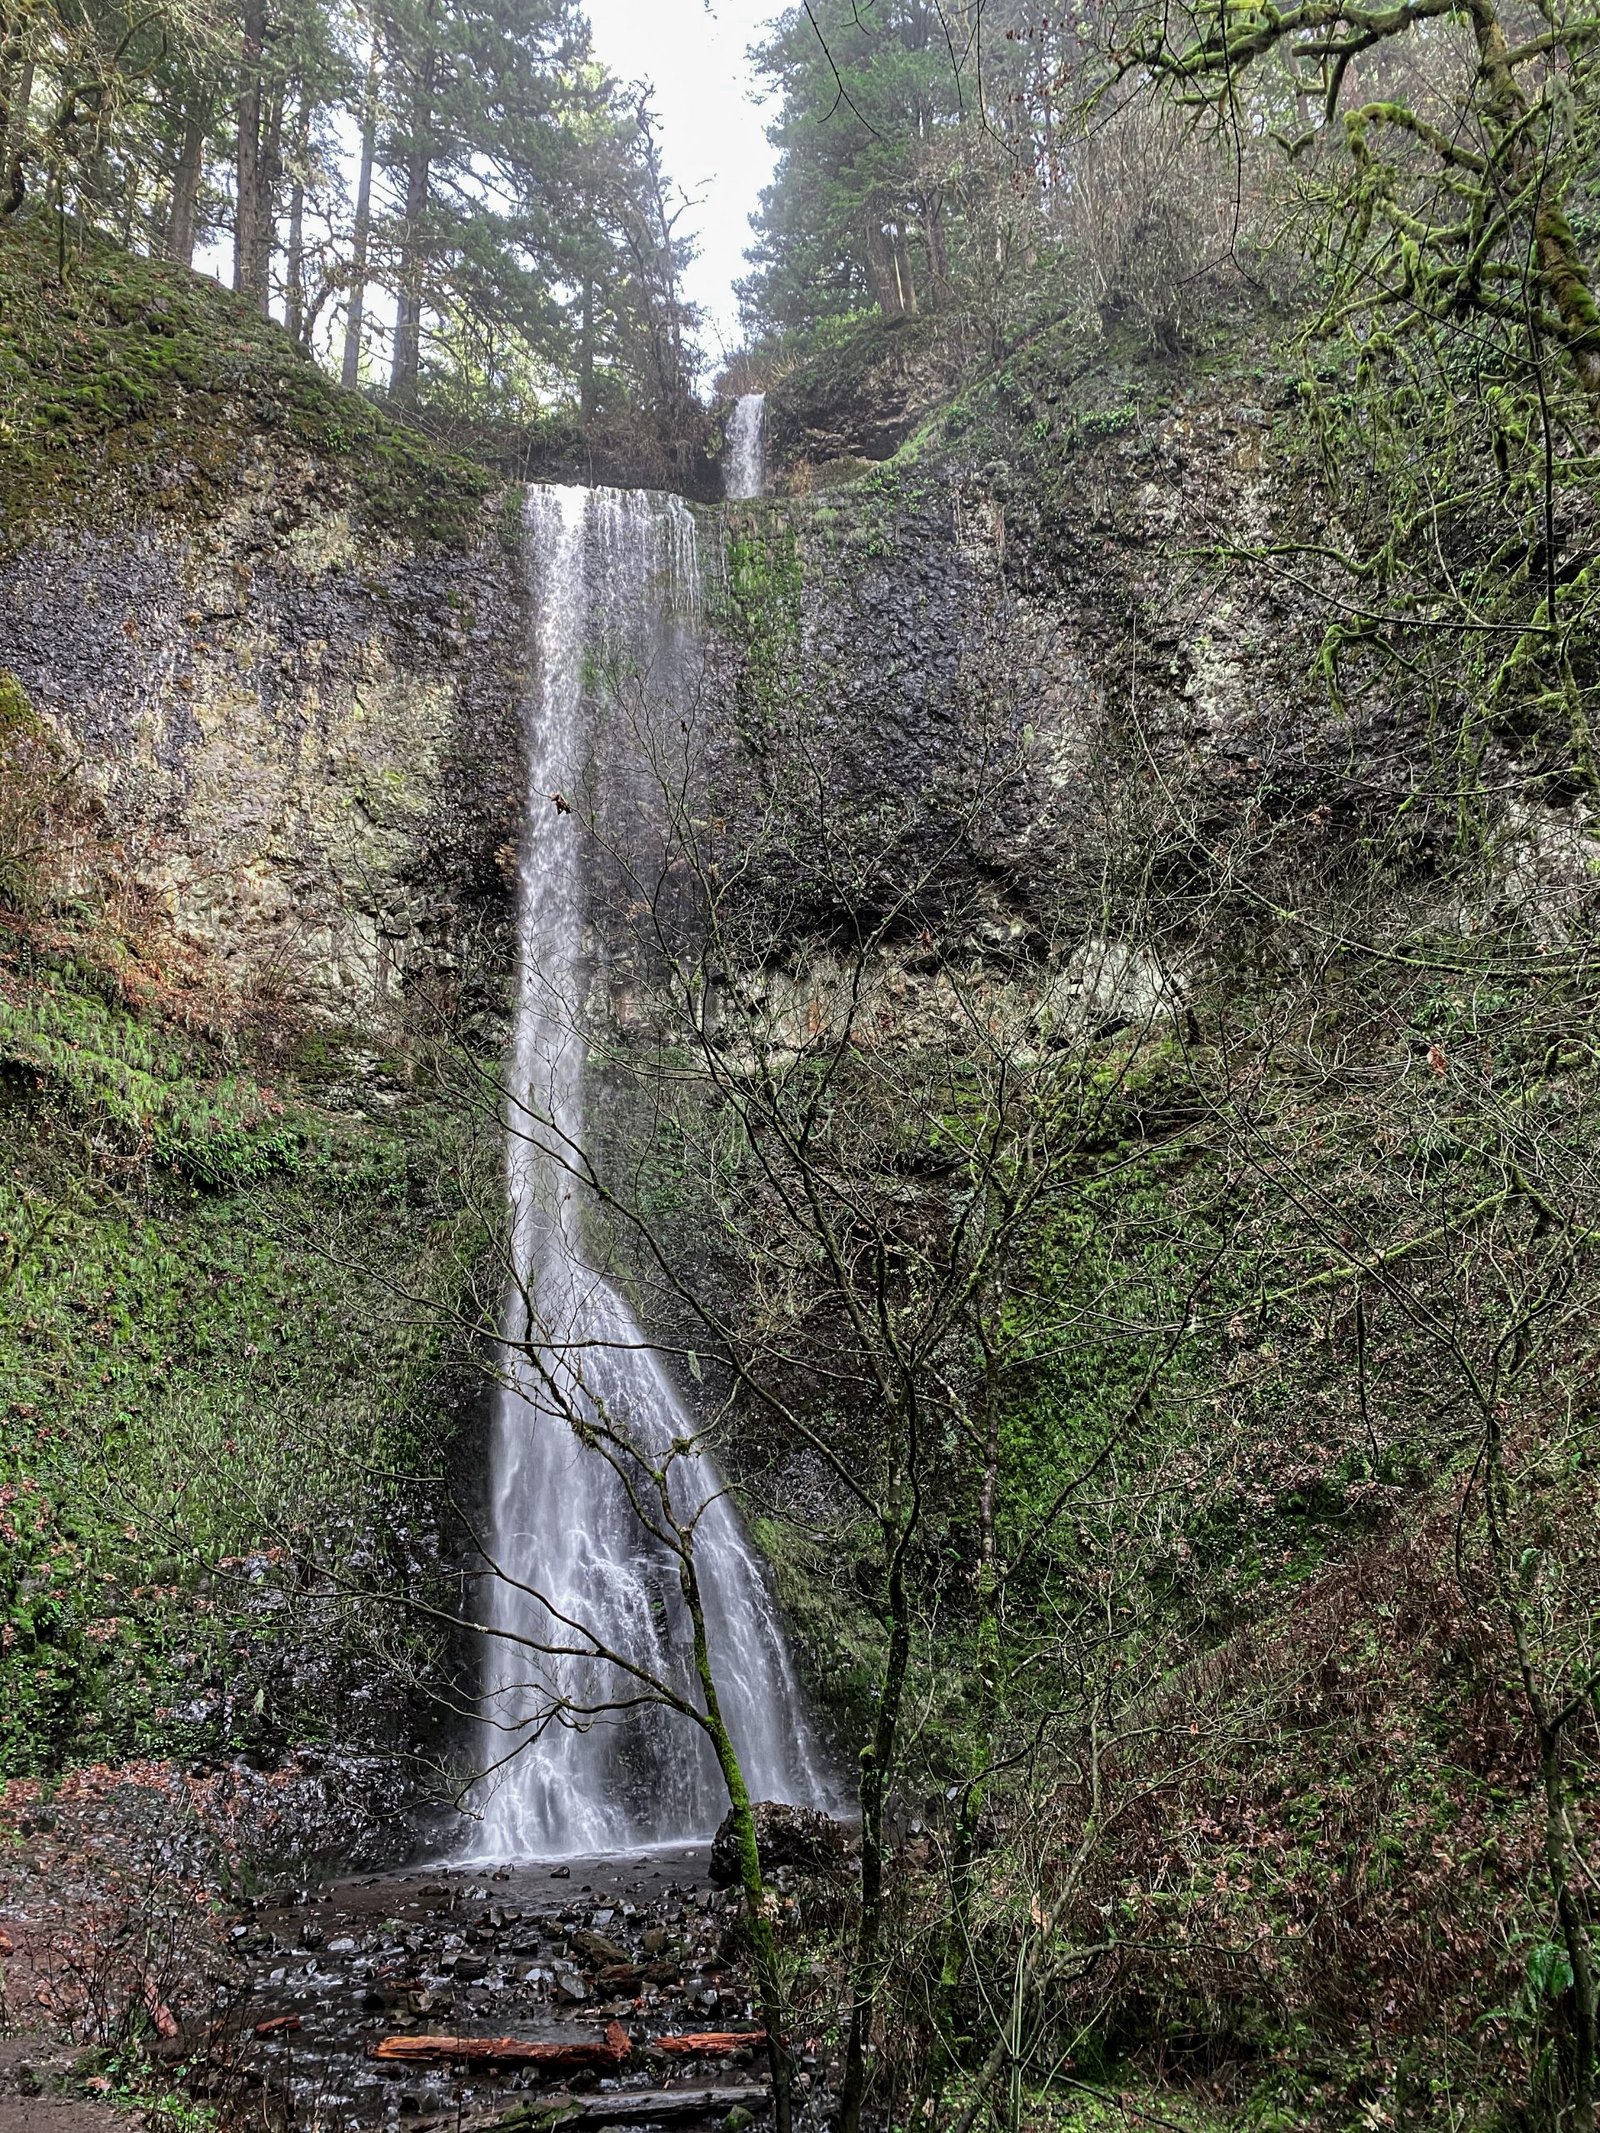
<point x="30" y="2069"/>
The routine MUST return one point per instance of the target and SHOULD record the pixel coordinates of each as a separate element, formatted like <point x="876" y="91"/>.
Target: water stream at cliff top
<point x="614" y="577"/>
<point x="744" y="463"/>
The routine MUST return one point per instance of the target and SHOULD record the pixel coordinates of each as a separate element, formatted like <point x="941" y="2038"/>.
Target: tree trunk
<point x="294" y="295"/>
<point x="938" y="254"/>
<point x="247" y="250"/>
<point x="184" y="210"/>
<point x="902" y="271"/>
<point x="14" y="102"/>
<point x="269" y="169"/>
<point x="413" y="261"/>
<point x="350" y="371"/>
<point x="885" y="282"/>
<point x="877" y="1768"/>
<point x="10" y="60"/>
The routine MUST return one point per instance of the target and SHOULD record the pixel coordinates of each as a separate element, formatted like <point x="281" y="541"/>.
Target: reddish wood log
<point x="277" y="2025"/>
<point x="606" y="2052"/>
<point x="711" y="2043"/>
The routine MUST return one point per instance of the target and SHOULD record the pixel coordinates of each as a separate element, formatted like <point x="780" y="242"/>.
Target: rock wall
<point x="1062" y="629"/>
<point x="304" y="737"/>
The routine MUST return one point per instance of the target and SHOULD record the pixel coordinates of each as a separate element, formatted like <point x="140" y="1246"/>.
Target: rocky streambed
<point x="403" y="1999"/>
<point x="607" y="1991"/>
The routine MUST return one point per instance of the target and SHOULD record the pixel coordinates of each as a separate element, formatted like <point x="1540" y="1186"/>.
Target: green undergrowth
<point x="118" y="370"/>
<point x="136" y="1090"/>
<point x="212" y="1401"/>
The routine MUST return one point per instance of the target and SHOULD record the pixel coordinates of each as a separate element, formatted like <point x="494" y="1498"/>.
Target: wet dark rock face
<point x="305" y="735"/>
<point x="993" y="658"/>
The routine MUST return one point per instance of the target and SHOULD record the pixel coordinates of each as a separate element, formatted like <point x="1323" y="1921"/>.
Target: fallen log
<point x="711" y="2043"/>
<point x="624" y="2107"/>
<point x="277" y="2025"/>
<point x="580" y="2054"/>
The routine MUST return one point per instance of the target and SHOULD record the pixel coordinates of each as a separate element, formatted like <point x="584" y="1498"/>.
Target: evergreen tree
<point x="506" y="197"/>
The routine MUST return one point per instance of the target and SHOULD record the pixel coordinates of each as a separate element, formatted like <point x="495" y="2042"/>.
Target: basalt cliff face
<point x="300" y="713"/>
<point x="305" y="741"/>
<point x="295" y="713"/>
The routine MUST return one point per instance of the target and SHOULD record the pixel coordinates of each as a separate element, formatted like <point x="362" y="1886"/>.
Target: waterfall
<point x="744" y="470"/>
<point x="613" y="577"/>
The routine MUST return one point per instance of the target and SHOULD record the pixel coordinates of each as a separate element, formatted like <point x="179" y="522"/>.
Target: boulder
<point x="801" y="1837"/>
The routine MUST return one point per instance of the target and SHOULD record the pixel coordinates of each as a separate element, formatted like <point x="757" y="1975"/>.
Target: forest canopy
<point x="449" y="199"/>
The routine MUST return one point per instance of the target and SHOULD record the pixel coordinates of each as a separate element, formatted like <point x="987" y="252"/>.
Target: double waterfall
<point x="581" y="1758"/>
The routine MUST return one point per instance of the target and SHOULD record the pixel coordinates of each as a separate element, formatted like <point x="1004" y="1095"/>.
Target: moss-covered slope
<point x="129" y="387"/>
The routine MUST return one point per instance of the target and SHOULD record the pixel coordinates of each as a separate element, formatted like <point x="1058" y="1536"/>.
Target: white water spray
<point x="614" y="576"/>
<point x="744" y="464"/>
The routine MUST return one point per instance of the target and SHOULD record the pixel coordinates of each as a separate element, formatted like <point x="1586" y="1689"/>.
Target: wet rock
<point x="798" y="1837"/>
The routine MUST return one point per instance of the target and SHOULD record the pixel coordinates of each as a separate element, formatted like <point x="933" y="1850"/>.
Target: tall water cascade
<point x="744" y="459"/>
<point x="614" y="578"/>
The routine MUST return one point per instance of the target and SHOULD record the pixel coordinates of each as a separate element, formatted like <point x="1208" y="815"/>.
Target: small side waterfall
<point x="614" y="577"/>
<point x="744" y="461"/>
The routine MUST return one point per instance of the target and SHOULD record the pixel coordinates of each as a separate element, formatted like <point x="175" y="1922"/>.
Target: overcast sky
<point x="713" y="137"/>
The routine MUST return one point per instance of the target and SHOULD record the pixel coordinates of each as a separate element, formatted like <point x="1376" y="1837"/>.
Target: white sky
<point x="712" y="135"/>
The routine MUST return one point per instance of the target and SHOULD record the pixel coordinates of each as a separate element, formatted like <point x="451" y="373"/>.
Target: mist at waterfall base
<point x="613" y="578"/>
<point x="744" y="455"/>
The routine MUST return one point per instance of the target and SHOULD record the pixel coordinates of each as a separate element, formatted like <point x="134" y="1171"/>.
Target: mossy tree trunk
<point x="758" y="1915"/>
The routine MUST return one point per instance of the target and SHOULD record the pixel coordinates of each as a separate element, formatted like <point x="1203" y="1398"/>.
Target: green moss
<point x="18" y="719"/>
<point x="145" y="376"/>
<point x="762" y="613"/>
<point x="203" y="1381"/>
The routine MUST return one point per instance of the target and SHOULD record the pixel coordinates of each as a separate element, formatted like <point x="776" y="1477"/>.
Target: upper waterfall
<point x="744" y="463"/>
<point x="614" y="582"/>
